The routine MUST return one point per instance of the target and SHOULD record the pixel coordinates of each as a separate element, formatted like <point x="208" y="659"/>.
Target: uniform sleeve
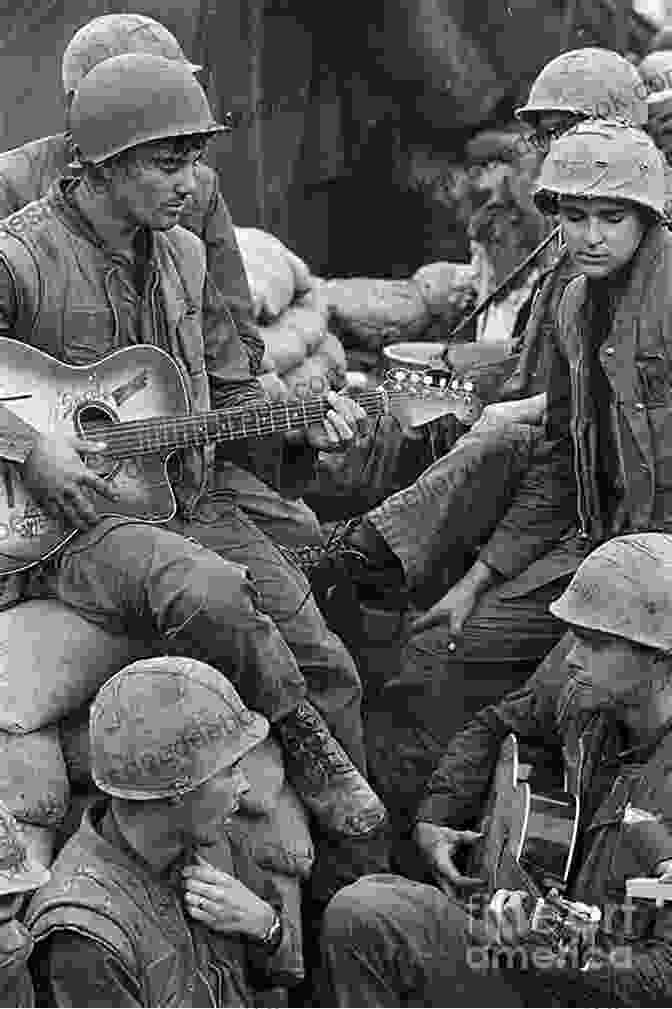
<point x="76" y="971"/>
<point x="227" y="278"/>
<point x="545" y="505"/>
<point x="456" y="791"/>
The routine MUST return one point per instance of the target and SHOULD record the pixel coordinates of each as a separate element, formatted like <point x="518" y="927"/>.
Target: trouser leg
<point x="288" y="521"/>
<point x="150" y="582"/>
<point x="153" y="582"/>
<point x="438" y="689"/>
<point x="388" y="941"/>
<point x="284" y="595"/>
<point x="436" y="523"/>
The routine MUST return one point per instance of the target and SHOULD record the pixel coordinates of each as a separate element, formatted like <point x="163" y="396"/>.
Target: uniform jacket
<point x="614" y="844"/>
<point x="74" y="299"/>
<point x="108" y="896"/>
<point x="539" y="335"/>
<point x="553" y="502"/>
<point x="27" y="173"/>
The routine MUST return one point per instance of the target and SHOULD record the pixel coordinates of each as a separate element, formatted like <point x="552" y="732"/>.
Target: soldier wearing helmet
<point x="150" y="903"/>
<point x="584" y="84"/>
<point x="596" y="467"/>
<point x="20" y="874"/>
<point x="27" y="172"/>
<point x="469" y="633"/>
<point x="100" y="264"/>
<point x="611" y="720"/>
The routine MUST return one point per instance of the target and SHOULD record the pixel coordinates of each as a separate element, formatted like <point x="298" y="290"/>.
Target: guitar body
<point x="136" y="401"/>
<point x="136" y="383"/>
<point x="529" y="835"/>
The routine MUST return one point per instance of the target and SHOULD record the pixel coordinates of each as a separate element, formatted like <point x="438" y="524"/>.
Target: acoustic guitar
<point x="529" y="834"/>
<point x="136" y="402"/>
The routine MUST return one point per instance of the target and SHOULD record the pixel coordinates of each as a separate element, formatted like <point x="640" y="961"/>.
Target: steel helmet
<point x="624" y="588"/>
<point x="134" y="99"/>
<point x="591" y="83"/>
<point x="18" y="871"/>
<point x="163" y="726"/>
<point x="603" y="159"/>
<point x="114" y="35"/>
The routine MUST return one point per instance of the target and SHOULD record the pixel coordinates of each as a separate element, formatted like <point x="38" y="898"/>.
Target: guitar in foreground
<point x="135" y="401"/>
<point x="529" y="834"/>
<point x="529" y="840"/>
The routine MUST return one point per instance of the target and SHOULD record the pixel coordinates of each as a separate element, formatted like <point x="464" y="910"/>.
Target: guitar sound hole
<point x="92" y="420"/>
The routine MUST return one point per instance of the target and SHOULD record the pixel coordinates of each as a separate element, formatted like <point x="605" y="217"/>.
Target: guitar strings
<point x="126" y="433"/>
<point x="122" y="436"/>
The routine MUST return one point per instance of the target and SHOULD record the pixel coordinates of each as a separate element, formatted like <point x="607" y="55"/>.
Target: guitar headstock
<point x="418" y="397"/>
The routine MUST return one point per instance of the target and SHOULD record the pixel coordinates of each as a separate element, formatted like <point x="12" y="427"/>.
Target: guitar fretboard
<point x="164" y="434"/>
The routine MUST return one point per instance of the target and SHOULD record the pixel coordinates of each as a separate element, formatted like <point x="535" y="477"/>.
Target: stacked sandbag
<point x="302" y="356"/>
<point x="51" y="662"/>
<point x="367" y="313"/>
<point x="275" y="274"/>
<point x="449" y="290"/>
<point x="301" y="351"/>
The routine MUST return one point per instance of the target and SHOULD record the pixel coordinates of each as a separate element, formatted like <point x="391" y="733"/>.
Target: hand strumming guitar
<point x="61" y="483"/>
<point x="439" y="846"/>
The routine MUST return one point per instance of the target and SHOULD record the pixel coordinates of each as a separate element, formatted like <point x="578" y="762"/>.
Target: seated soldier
<point x="412" y="535"/>
<point x="101" y="264"/>
<point x="149" y="903"/>
<point x="19" y="874"/>
<point x="599" y="471"/>
<point x="390" y="941"/>
<point x="254" y="471"/>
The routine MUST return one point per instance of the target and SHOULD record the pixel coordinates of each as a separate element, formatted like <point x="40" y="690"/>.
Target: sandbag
<point x="449" y="289"/>
<point x="280" y="839"/>
<point x="275" y="274"/>
<point x="372" y="312"/>
<point x="319" y="373"/>
<point x="52" y="661"/>
<point x="33" y="777"/>
<point x="299" y="330"/>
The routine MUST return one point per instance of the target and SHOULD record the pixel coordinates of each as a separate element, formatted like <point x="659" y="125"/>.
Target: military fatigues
<point x="392" y="942"/>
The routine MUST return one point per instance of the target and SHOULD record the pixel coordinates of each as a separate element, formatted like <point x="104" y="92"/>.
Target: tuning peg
<point x="415" y="377"/>
<point x="455" y="385"/>
<point x="428" y="380"/>
<point x="400" y="375"/>
<point x="443" y="382"/>
<point x="468" y="386"/>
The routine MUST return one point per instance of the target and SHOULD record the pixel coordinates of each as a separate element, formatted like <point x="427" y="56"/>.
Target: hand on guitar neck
<point x="61" y="482"/>
<point x="341" y="424"/>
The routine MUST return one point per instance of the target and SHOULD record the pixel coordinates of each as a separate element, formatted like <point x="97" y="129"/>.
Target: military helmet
<point x="18" y="871"/>
<point x="135" y="99"/>
<point x="114" y="35"/>
<point x="590" y="83"/>
<point x="624" y="587"/>
<point x="603" y="159"/>
<point x="163" y="726"/>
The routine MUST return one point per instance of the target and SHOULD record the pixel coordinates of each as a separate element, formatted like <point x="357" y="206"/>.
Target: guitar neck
<point x="259" y="420"/>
